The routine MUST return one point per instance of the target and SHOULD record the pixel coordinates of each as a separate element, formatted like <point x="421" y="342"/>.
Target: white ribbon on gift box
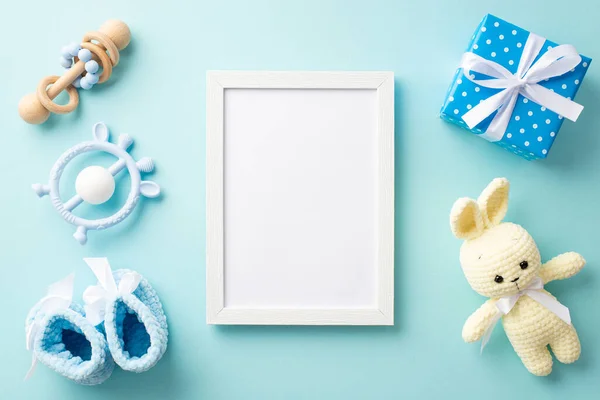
<point x="96" y="297"/>
<point x="555" y="62"/>
<point x="535" y="291"/>
<point x="58" y="298"/>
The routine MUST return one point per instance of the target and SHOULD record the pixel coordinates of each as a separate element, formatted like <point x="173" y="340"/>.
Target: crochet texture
<point x="136" y="327"/>
<point x="70" y="345"/>
<point x="500" y="259"/>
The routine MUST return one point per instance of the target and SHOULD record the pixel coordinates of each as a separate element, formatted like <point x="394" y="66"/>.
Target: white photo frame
<point x="300" y="198"/>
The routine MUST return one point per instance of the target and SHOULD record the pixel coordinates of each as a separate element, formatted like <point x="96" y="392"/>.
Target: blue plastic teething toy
<point x="96" y="184"/>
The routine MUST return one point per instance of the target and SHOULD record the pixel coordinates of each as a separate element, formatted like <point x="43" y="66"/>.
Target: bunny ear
<point x="466" y="221"/>
<point x="493" y="201"/>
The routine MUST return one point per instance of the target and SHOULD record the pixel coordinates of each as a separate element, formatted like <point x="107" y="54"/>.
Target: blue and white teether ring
<point x="96" y="185"/>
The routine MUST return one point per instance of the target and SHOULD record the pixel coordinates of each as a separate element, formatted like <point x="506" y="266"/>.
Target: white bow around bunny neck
<point x="58" y="298"/>
<point x="555" y="62"/>
<point x="536" y="292"/>
<point x="97" y="297"/>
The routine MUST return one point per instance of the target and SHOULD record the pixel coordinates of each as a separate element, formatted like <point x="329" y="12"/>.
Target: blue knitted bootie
<point x="134" y="321"/>
<point x="61" y="338"/>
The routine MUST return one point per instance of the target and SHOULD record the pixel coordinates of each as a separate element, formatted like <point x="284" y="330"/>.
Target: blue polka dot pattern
<point x="532" y="128"/>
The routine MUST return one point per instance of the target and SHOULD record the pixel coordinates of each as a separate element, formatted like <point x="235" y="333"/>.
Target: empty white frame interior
<point x="300" y="198"/>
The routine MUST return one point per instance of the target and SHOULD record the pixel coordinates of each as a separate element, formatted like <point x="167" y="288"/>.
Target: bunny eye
<point x="524" y="264"/>
<point x="498" y="279"/>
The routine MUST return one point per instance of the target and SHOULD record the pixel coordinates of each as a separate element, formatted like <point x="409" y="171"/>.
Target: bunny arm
<point x="479" y="321"/>
<point x="562" y="266"/>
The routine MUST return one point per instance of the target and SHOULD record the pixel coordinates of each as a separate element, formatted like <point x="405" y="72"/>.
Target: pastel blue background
<point x="157" y="94"/>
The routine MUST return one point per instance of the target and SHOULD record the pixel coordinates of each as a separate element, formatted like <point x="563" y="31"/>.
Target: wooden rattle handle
<point x="104" y="44"/>
<point x="65" y="80"/>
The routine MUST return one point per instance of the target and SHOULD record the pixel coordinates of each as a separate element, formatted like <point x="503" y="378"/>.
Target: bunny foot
<point x="537" y="360"/>
<point x="567" y="348"/>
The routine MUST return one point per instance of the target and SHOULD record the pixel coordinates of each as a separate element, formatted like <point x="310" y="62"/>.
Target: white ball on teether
<point x="95" y="185"/>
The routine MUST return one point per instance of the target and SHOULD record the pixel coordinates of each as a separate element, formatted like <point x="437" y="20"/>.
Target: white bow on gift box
<point x="555" y="62"/>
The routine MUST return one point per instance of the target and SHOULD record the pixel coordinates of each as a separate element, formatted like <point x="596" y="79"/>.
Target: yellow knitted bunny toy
<point x="501" y="261"/>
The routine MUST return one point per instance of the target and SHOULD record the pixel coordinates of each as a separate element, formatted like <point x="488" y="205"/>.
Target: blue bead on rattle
<point x="96" y="184"/>
<point x="67" y="59"/>
<point x="87" y="64"/>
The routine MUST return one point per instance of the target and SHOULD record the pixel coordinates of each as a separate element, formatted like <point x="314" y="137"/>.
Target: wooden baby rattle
<point x="82" y="66"/>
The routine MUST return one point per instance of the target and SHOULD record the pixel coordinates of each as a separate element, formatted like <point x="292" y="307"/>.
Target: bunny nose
<point x="516" y="279"/>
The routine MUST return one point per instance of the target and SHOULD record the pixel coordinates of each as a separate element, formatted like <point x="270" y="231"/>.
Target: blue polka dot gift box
<point x="515" y="88"/>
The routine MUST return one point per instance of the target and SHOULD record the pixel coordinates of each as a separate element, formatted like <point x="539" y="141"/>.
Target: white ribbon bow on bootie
<point x="535" y="291"/>
<point x="58" y="298"/>
<point x="96" y="297"/>
<point x="555" y="62"/>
